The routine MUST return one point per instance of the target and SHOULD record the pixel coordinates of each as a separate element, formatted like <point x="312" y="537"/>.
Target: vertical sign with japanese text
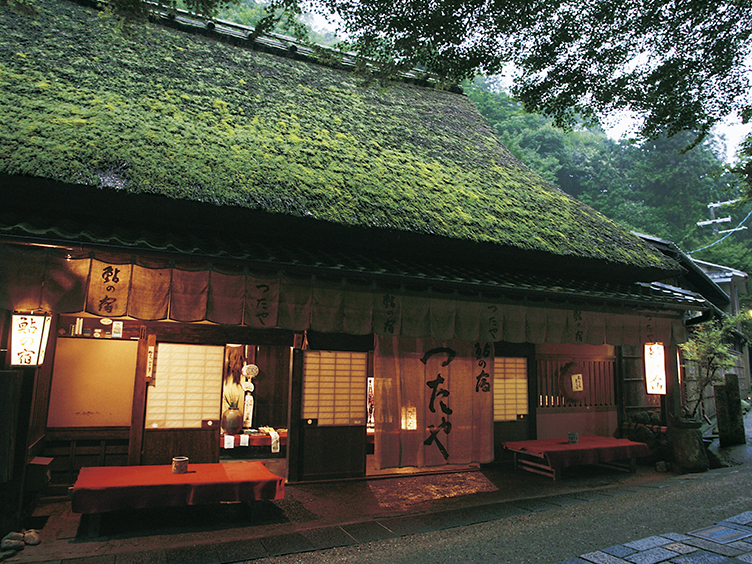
<point x="108" y="289"/>
<point x="438" y="403"/>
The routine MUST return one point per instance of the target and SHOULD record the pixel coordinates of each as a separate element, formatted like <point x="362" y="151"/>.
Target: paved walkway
<point x="320" y="516"/>
<point x="316" y="517"/>
<point x="726" y="542"/>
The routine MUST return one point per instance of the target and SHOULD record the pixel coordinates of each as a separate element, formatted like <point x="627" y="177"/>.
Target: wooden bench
<point x="549" y="456"/>
<point x="101" y="489"/>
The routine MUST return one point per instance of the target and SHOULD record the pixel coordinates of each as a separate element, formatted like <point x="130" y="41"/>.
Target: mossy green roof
<point x="157" y="110"/>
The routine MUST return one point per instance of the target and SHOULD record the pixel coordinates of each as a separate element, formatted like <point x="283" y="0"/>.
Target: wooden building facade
<point x="412" y="295"/>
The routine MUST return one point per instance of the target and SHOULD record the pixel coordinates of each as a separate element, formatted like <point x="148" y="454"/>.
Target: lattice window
<point x="510" y="388"/>
<point x="335" y="387"/>
<point x="597" y="379"/>
<point x="188" y="386"/>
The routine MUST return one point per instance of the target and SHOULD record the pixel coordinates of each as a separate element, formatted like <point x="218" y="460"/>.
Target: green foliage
<point x="680" y="65"/>
<point x="652" y="187"/>
<point x="162" y="111"/>
<point x="710" y="351"/>
<point x="743" y="168"/>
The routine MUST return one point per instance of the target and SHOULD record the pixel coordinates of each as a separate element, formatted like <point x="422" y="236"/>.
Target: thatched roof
<point x="149" y="109"/>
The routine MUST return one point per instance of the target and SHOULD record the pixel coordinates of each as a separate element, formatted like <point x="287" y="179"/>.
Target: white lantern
<point x="655" y="368"/>
<point x="28" y="338"/>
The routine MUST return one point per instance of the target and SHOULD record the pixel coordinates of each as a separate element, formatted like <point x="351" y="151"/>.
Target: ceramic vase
<point x="232" y="421"/>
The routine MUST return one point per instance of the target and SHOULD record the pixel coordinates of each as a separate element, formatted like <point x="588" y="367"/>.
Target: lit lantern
<point x="655" y="368"/>
<point x="409" y="418"/>
<point x="28" y="338"/>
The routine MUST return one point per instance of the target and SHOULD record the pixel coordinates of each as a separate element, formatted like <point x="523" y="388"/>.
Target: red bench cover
<point x="588" y="450"/>
<point x="108" y="488"/>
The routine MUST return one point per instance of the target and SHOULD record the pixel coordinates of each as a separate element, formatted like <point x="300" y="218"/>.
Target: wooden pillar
<point x="671" y="404"/>
<point x="144" y="365"/>
<point x="294" y="435"/>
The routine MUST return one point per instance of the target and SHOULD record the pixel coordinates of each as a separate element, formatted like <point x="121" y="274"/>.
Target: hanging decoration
<point x="572" y="382"/>
<point x="248" y="372"/>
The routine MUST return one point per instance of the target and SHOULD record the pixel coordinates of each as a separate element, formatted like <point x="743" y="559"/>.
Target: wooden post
<point x="144" y="362"/>
<point x="671" y="403"/>
<point x="294" y="446"/>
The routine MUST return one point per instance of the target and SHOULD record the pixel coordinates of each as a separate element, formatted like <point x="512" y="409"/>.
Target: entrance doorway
<point x="514" y="395"/>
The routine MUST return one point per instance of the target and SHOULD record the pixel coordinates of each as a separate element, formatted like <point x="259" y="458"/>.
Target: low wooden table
<point x="549" y="456"/>
<point x="100" y="489"/>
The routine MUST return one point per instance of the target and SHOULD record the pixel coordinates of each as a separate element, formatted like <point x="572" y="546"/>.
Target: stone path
<point x="727" y="542"/>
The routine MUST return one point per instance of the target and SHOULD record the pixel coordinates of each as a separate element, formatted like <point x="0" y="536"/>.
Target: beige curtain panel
<point x="435" y="402"/>
<point x="34" y="279"/>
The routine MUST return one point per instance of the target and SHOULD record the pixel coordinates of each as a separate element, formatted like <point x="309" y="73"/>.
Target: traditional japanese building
<point x="187" y="204"/>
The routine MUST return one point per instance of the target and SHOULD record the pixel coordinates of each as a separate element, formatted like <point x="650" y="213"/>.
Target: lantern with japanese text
<point x="655" y="368"/>
<point x="28" y="338"/>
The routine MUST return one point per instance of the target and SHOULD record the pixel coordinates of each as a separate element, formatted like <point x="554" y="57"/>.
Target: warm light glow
<point x="409" y="419"/>
<point x="28" y="340"/>
<point x="655" y="368"/>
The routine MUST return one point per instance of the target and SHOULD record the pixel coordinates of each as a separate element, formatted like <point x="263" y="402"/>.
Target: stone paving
<point x="273" y="532"/>
<point x="727" y="542"/>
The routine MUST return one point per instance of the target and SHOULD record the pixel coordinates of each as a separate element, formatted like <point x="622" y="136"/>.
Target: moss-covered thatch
<point x="158" y="110"/>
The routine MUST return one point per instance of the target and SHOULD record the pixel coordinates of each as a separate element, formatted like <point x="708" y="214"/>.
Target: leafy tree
<point x="679" y="65"/>
<point x="679" y="184"/>
<point x="710" y="352"/>
<point x="652" y="187"/>
<point x="252" y="14"/>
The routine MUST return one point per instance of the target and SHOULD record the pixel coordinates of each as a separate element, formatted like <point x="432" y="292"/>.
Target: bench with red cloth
<point x="550" y="456"/>
<point x="100" y="489"/>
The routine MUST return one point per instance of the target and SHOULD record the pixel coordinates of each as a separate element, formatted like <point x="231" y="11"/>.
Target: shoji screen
<point x="510" y="388"/>
<point x="335" y="387"/>
<point x="188" y="386"/>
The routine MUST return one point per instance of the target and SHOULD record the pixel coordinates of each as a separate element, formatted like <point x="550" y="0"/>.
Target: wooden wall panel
<point x="71" y="449"/>
<point x="189" y="333"/>
<point x="199" y="445"/>
<point x="332" y="453"/>
<point x="272" y="387"/>
<point x="17" y="389"/>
